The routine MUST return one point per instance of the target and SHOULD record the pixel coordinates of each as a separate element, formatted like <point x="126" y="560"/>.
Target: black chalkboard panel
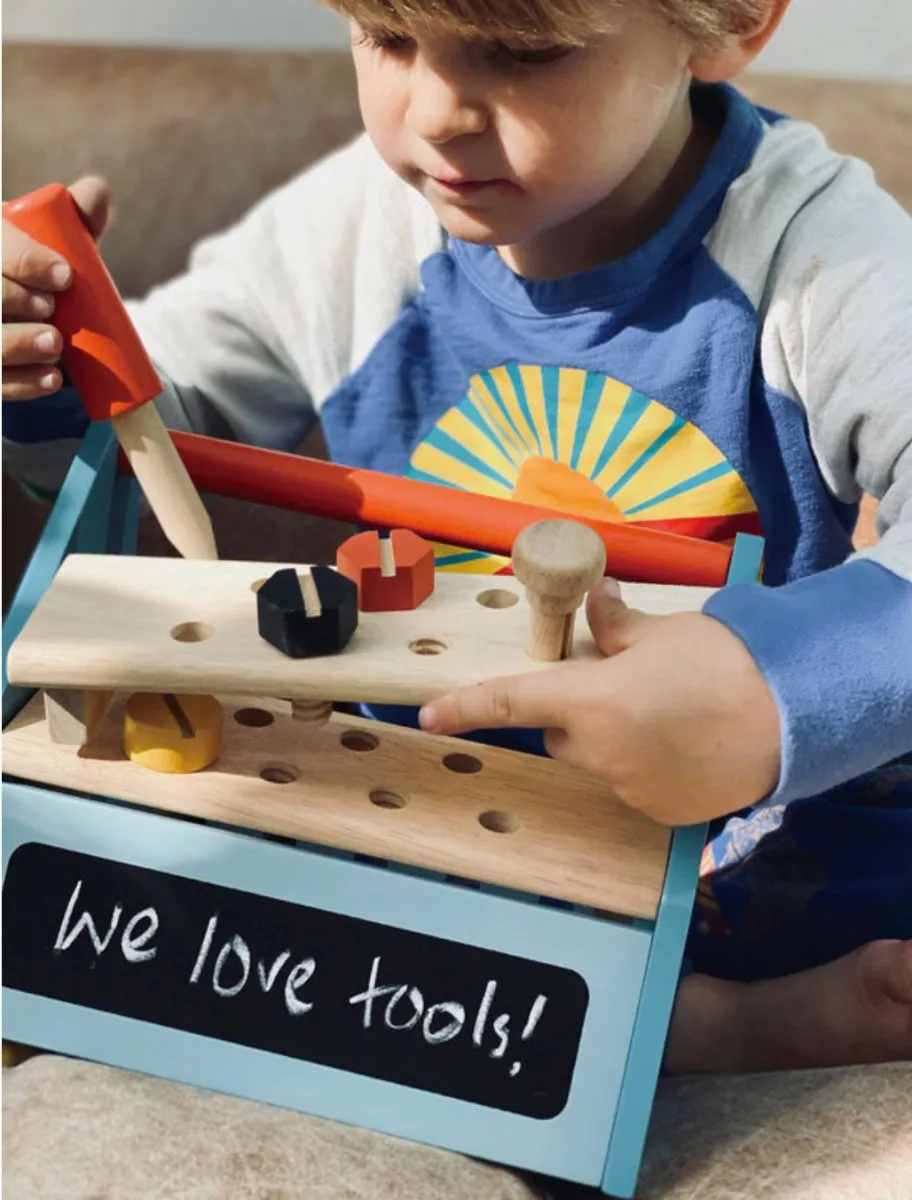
<point x="438" y="1015"/>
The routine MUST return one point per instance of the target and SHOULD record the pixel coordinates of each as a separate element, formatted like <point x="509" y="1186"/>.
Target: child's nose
<point x="441" y="107"/>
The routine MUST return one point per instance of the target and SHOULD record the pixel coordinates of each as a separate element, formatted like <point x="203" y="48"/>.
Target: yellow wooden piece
<point x="174" y="735"/>
<point x="15" y="1053"/>
<point x="441" y="804"/>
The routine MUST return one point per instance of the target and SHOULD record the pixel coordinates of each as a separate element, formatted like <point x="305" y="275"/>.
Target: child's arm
<point x="836" y="648"/>
<point x="265" y="322"/>
<point x="678" y="722"/>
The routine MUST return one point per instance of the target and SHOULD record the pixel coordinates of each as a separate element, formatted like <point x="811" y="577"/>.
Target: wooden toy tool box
<point x="442" y="940"/>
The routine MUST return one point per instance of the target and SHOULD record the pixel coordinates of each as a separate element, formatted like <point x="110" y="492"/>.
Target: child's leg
<point x="857" y="1009"/>
<point x="802" y="936"/>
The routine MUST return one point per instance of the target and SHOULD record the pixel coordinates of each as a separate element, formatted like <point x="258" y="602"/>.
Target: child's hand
<point x="678" y="718"/>
<point x="32" y="274"/>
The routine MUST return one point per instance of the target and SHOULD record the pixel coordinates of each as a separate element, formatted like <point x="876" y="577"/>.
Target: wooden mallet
<point x="108" y="365"/>
<point x="558" y="561"/>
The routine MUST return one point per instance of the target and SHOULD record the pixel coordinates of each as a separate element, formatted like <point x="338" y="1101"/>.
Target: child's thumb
<point x="615" y="627"/>
<point x="93" y="199"/>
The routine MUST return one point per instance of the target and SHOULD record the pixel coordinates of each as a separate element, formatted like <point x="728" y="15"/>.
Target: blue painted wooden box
<point x="455" y="1053"/>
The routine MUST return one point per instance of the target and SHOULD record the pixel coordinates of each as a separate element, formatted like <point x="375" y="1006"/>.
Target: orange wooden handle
<point x="102" y="353"/>
<point x="443" y="514"/>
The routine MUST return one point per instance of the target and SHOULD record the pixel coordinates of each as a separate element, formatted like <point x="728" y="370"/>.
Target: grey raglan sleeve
<point x="838" y="339"/>
<point x="835" y="312"/>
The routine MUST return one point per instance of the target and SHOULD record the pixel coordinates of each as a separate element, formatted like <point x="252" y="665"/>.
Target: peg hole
<point x="384" y="798"/>
<point x="499" y="822"/>
<point x="279" y="773"/>
<point x="462" y="764"/>
<point x="497" y="598"/>
<point x="192" y="631"/>
<point x="427" y="645"/>
<point x="254" y="718"/>
<point x="359" y="739"/>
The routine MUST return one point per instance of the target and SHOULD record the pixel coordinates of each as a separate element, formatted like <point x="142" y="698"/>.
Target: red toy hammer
<point x="108" y="364"/>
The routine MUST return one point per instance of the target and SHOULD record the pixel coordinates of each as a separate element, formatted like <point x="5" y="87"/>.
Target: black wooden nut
<point x="284" y="622"/>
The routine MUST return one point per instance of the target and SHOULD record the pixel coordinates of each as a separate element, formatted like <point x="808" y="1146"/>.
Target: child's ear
<point x="737" y="50"/>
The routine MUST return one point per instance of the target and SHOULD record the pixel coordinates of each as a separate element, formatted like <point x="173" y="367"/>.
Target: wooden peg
<point x="313" y="605"/>
<point x="311" y="712"/>
<point x="558" y="562"/>
<point x="387" y="554"/>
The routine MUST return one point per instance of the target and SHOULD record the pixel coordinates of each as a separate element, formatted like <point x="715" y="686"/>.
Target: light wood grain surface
<point x="182" y="625"/>
<point x="445" y="805"/>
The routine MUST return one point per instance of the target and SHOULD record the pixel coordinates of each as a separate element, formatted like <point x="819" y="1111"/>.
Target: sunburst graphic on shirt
<point x="582" y="443"/>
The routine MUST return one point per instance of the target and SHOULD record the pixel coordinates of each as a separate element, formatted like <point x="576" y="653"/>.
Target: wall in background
<point x="862" y="39"/>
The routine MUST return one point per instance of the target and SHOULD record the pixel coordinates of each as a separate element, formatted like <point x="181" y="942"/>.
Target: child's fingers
<point x="24" y="304"/>
<point x="25" y="344"/>
<point x="28" y="383"/>
<point x="30" y="264"/>
<point x="614" y="626"/>
<point x="535" y="701"/>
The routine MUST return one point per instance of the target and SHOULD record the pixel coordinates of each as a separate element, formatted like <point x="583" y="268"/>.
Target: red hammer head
<point x="102" y="353"/>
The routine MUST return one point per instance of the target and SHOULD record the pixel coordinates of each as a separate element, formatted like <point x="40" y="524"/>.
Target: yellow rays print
<point x="581" y="442"/>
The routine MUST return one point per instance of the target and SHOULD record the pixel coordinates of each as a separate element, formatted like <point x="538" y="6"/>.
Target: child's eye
<point x="392" y="43"/>
<point x="528" y="56"/>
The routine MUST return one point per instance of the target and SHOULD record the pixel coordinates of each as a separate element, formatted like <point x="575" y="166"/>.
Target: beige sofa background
<point x="189" y="140"/>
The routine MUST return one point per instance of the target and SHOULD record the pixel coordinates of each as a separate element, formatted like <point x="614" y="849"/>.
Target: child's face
<point x="510" y="144"/>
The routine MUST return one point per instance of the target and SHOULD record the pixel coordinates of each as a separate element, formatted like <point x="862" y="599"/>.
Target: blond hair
<point x="572" y="21"/>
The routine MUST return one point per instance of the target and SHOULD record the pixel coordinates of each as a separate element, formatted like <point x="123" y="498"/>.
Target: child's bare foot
<point x="857" y="1009"/>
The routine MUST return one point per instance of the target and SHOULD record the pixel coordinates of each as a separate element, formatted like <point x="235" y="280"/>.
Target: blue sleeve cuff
<point x="836" y="652"/>
<point x="47" y="419"/>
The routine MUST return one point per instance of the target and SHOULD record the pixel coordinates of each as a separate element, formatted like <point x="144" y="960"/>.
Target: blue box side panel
<point x="611" y="958"/>
<point x="91" y="499"/>
<point x="647" y="1045"/>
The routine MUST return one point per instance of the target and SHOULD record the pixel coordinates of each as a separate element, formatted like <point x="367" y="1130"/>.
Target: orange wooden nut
<point x="359" y="560"/>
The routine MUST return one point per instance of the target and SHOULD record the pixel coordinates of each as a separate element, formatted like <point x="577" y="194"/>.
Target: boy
<point x="568" y="263"/>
